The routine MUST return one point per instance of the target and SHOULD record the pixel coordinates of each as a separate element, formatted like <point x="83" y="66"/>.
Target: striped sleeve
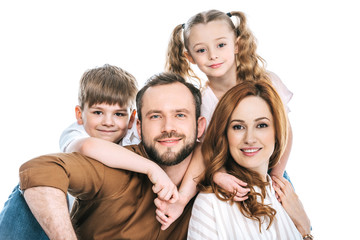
<point x="202" y="222"/>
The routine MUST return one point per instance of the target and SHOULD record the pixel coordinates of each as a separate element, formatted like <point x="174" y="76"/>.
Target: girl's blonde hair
<point x="250" y="66"/>
<point x="215" y="148"/>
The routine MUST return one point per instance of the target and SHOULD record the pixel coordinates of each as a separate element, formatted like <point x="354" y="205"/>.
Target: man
<point x="113" y="203"/>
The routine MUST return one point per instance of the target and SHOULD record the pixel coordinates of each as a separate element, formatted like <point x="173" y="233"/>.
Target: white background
<point x="313" y="46"/>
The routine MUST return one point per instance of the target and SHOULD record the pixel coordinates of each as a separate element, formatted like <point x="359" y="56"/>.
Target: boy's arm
<point x="279" y="169"/>
<point x="50" y="209"/>
<point x="116" y="156"/>
<point x="167" y="213"/>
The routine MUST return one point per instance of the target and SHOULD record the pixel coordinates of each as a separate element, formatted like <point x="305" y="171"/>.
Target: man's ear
<point x="201" y="126"/>
<point x="132" y="119"/>
<point x="189" y="57"/>
<point x="78" y="115"/>
<point x="138" y="127"/>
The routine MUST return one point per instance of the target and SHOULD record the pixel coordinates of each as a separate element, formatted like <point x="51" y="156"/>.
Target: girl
<point x="247" y="136"/>
<point x="226" y="54"/>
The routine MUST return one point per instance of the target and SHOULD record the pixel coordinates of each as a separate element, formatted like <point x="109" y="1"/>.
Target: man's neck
<point x="176" y="173"/>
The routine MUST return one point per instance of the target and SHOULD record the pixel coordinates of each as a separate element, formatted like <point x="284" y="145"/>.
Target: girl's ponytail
<point x="176" y="60"/>
<point x="250" y="66"/>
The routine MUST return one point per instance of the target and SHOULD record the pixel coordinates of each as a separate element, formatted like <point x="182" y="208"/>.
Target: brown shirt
<point x="111" y="203"/>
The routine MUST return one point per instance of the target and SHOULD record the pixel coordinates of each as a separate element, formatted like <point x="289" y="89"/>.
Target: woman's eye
<point x="237" y="127"/>
<point x="222" y="45"/>
<point x="262" y="125"/>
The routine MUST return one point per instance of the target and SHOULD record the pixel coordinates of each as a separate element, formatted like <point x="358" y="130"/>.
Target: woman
<point x="247" y="136"/>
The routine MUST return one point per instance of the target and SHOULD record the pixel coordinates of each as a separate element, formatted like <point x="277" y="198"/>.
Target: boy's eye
<point x="262" y="125"/>
<point x="97" y="112"/>
<point x="119" y="114"/>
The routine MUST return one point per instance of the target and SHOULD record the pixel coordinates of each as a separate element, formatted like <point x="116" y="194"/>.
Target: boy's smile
<point x="104" y="121"/>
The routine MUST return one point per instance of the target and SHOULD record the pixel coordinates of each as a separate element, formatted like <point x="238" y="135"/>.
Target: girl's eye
<point x="237" y="127"/>
<point x="202" y="50"/>
<point x="221" y="45"/>
<point x="97" y="112"/>
<point x="262" y="125"/>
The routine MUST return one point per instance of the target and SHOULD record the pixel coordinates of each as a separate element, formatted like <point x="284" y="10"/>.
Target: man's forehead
<point x="174" y="95"/>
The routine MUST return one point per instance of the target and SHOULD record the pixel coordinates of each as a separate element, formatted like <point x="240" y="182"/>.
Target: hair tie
<point x="183" y="26"/>
<point x="229" y="14"/>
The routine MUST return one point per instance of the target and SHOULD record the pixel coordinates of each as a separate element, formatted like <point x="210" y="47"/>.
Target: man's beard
<point x="169" y="158"/>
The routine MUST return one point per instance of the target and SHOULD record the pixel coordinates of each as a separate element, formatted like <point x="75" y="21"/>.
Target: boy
<point x="106" y="111"/>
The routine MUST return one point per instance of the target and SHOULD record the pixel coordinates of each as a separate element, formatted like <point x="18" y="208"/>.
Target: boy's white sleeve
<point x="70" y="134"/>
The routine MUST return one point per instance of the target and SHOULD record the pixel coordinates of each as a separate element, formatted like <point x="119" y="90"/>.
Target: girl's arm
<point x="167" y="213"/>
<point x="116" y="156"/>
<point x="279" y="169"/>
<point x="292" y="204"/>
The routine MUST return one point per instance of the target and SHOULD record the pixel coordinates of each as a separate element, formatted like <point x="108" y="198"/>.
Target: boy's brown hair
<point x="107" y="84"/>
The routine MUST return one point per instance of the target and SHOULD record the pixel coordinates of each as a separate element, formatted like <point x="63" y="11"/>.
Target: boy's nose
<point x="108" y="121"/>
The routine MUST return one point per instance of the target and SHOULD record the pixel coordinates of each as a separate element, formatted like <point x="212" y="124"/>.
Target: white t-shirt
<point x="213" y="219"/>
<point x="76" y="131"/>
<point x="209" y="99"/>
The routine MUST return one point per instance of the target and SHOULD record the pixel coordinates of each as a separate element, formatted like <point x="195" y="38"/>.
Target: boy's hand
<point x="231" y="184"/>
<point x="163" y="186"/>
<point x="167" y="213"/>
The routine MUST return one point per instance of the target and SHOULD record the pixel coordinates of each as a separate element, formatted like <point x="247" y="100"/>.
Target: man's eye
<point x="181" y="115"/>
<point x="154" y="116"/>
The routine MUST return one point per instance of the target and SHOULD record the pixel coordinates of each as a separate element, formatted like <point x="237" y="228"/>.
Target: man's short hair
<point x="166" y="78"/>
<point x="107" y="84"/>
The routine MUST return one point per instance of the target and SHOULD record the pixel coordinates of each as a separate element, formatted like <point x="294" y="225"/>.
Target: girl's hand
<point x="292" y="204"/>
<point x="167" y="213"/>
<point x="163" y="186"/>
<point x="231" y="184"/>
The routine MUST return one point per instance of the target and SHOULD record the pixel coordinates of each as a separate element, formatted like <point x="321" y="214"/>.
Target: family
<point x="193" y="164"/>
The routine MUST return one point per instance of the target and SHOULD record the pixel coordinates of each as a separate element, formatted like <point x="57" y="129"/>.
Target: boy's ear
<point x="78" y="115"/>
<point x="138" y="127"/>
<point x="132" y="119"/>
<point x="189" y="57"/>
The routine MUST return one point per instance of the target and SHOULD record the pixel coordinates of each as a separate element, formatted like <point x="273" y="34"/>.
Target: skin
<point x="49" y="204"/>
<point x="104" y="121"/>
<point x="251" y="134"/>
<point x="212" y="48"/>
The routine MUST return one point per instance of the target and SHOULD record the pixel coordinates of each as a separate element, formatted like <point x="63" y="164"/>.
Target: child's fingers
<point x="174" y="197"/>
<point x="239" y="199"/>
<point x="162" y="217"/>
<point x="161" y="205"/>
<point x="239" y="182"/>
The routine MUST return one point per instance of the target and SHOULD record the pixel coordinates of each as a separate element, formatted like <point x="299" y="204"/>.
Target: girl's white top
<point x="209" y="100"/>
